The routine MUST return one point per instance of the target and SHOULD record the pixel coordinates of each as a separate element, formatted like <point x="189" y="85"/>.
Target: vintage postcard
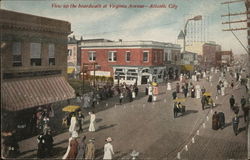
<point x="125" y="79"/>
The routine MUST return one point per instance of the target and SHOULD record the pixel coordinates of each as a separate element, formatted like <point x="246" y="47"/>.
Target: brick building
<point x="206" y="52"/>
<point x="209" y="54"/>
<point x="131" y="61"/>
<point x="224" y="58"/>
<point x="33" y="60"/>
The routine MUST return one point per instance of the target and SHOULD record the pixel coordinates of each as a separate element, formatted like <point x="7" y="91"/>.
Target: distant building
<point x="73" y="56"/>
<point x="33" y="61"/>
<point x="206" y="52"/>
<point x="130" y="61"/>
<point x="209" y="54"/>
<point x="224" y="58"/>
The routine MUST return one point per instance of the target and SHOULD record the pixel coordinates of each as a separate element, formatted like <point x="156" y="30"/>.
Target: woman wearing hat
<point x="72" y="149"/>
<point x="92" y="122"/>
<point x="108" y="149"/>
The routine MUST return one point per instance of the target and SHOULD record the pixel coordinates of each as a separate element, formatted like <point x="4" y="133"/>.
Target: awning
<point x="188" y="67"/>
<point x="23" y="94"/>
<point x="70" y="70"/>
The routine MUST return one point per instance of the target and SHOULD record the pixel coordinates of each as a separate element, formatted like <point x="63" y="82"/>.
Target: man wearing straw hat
<point x="90" y="150"/>
<point x="108" y="149"/>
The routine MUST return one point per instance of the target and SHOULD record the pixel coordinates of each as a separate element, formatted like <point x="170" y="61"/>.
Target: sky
<point x="129" y="24"/>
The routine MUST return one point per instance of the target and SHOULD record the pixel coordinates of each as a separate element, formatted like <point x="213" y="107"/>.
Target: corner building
<point x="130" y="61"/>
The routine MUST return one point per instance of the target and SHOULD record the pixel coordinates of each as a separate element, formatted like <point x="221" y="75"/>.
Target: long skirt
<point x="150" y="98"/>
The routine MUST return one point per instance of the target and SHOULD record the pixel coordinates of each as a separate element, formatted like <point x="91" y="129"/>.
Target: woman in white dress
<point x="73" y="122"/>
<point x="92" y="122"/>
<point x="108" y="149"/>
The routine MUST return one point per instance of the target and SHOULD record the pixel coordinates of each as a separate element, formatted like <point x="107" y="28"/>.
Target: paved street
<point x="151" y="129"/>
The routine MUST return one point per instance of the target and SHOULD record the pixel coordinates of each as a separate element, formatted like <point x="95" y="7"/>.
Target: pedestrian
<point x="243" y="102"/>
<point x="81" y="148"/>
<point x="136" y="90"/>
<point x="108" y="149"/>
<point x="222" y="90"/>
<point x="174" y="95"/>
<point x="185" y="91"/>
<point x="177" y="88"/>
<point x="236" y="121"/>
<point x="232" y="84"/>
<point x="12" y="143"/>
<point x="203" y="102"/>
<point x="73" y="123"/>
<point x="221" y="116"/>
<point x="232" y="102"/>
<point x="80" y="120"/>
<point x="203" y="90"/>
<point x="75" y="134"/>
<point x="150" y="94"/>
<point x="120" y="97"/>
<point x="155" y="92"/>
<point x="193" y="93"/>
<point x="215" y="121"/>
<point x="41" y="146"/>
<point x="90" y="150"/>
<point x="175" y="109"/>
<point x="130" y="96"/>
<point x="246" y="111"/>
<point x="48" y="143"/>
<point x="133" y="94"/>
<point x="33" y="120"/>
<point x="73" y="147"/>
<point x="92" y="122"/>
<point x="236" y="108"/>
<point x="218" y="89"/>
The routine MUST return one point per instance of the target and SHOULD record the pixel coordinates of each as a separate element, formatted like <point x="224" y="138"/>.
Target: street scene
<point x="78" y="94"/>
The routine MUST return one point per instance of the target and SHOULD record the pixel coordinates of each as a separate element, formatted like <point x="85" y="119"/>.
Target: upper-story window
<point x="145" y="56"/>
<point x="155" y="55"/>
<point x="69" y="52"/>
<point x="128" y="56"/>
<point x="35" y="54"/>
<point x="52" y="60"/>
<point x="92" y="55"/>
<point x="112" y="57"/>
<point x="16" y="54"/>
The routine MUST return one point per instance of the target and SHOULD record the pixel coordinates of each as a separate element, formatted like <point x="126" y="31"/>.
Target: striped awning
<point x="23" y="94"/>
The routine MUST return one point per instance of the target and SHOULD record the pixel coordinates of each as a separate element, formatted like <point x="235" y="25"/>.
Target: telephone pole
<point x="247" y="20"/>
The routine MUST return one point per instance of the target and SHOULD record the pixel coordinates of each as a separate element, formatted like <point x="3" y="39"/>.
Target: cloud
<point x="144" y="18"/>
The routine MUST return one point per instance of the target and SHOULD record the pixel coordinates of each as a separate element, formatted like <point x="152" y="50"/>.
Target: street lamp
<point x="196" y="18"/>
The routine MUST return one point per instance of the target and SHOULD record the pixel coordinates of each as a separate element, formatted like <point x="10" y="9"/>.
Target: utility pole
<point x="229" y="22"/>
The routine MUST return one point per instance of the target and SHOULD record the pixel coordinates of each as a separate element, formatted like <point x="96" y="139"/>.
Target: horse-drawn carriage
<point x="178" y="107"/>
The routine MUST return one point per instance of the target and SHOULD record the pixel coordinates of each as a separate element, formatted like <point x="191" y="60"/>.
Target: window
<point x="69" y="52"/>
<point x="35" y="51"/>
<point x="112" y="56"/>
<point x="128" y="55"/>
<point x="155" y="56"/>
<point x="169" y="56"/>
<point x="92" y="56"/>
<point x="145" y="56"/>
<point x="51" y="54"/>
<point x="16" y="54"/>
